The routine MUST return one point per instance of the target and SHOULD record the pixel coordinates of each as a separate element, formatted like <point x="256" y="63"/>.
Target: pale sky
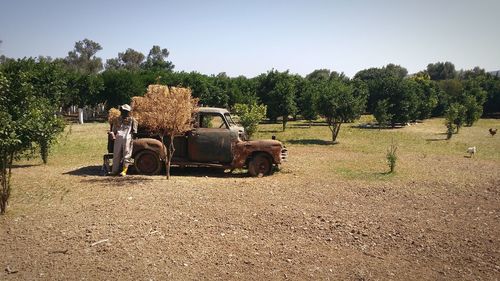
<point x="251" y="37"/>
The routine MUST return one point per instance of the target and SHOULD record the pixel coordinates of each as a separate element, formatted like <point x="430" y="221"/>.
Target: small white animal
<point x="471" y="150"/>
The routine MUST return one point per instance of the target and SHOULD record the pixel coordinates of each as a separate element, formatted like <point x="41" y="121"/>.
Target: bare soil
<point x="306" y="222"/>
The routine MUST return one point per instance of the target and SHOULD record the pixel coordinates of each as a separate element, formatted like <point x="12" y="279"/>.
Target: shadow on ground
<point x="20" y="166"/>
<point x="206" y="172"/>
<point x="307" y="126"/>
<point x="95" y="170"/>
<point x="311" y="141"/>
<point x="437" y="139"/>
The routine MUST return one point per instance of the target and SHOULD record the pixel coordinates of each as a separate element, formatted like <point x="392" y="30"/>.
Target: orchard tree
<point x="491" y="85"/>
<point x="319" y="75"/>
<point x="277" y="91"/>
<point x="382" y="112"/>
<point x="307" y="96"/>
<point x="398" y="101"/>
<point x="441" y="70"/>
<point x="450" y="91"/>
<point x="242" y="90"/>
<point x="85" y="89"/>
<point x="27" y="115"/>
<point x="44" y="126"/>
<point x="454" y="118"/>
<point x="340" y="102"/>
<point x="428" y="92"/>
<point x="376" y="80"/>
<point x="83" y="57"/>
<point x="473" y="99"/>
<point x="119" y="86"/>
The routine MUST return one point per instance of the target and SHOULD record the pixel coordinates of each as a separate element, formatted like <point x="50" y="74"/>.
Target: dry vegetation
<point x="166" y="111"/>
<point x="332" y="212"/>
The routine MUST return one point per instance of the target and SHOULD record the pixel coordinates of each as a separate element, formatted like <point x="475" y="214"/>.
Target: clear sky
<point x="245" y="37"/>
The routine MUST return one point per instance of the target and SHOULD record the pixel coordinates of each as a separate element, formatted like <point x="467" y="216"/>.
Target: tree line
<point x="389" y="93"/>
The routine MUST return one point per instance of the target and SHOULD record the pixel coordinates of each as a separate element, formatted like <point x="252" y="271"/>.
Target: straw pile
<point x="114" y="116"/>
<point x="164" y="110"/>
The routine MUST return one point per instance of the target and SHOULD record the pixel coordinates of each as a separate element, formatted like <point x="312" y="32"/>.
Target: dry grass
<point x="331" y="212"/>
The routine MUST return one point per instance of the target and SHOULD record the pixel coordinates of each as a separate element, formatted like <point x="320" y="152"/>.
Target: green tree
<point x="376" y="80"/>
<point x="130" y="60"/>
<point x="27" y="114"/>
<point x="397" y="99"/>
<point x="441" y="70"/>
<point x="242" y="90"/>
<point x="9" y="144"/>
<point x="382" y="112"/>
<point x="156" y="60"/>
<point x="84" y="89"/>
<point x="307" y="97"/>
<point x="119" y="86"/>
<point x="277" y="91"/>
<point x="83" y="57"/>
<point x="44" y="126"/>
<point x="492" y="86"/>
<point x="250" y="116"/>
<point x="454" y="118"/>
<point x="340" y="102"/>
<point x="319" y="75"/>
<point x="428" y="92"/>
<point x="473" y="99"/>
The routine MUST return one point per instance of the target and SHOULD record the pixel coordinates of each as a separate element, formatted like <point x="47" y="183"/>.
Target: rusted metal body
<point x="214" y="141"/>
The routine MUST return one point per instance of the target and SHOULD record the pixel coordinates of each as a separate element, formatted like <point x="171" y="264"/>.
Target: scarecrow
<point x="123" y="132"/>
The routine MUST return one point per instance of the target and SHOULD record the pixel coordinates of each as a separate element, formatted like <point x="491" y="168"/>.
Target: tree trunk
<point x="285" y="120"/>
<point x="44" y="150"/>
<point x="5" y="179"/>
<point x="335" y="131"/>
<point x="170" y="154"/>
<point x="167" y="165"/>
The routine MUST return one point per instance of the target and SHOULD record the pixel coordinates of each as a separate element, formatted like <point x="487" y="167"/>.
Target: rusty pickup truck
<point x="215" y="141"/>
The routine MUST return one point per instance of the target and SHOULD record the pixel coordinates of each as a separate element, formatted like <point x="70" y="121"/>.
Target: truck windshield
<point x="230" y="119"/>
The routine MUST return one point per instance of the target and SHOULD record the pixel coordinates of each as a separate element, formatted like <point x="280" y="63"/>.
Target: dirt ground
<point x="67" y="222"/>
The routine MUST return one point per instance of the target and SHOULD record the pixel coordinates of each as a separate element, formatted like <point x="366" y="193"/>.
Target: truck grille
<point x="284" y="154"/>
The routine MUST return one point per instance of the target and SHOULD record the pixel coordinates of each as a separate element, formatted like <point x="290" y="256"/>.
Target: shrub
<point x="392" y="157"/>
<point x="249" y="116"/>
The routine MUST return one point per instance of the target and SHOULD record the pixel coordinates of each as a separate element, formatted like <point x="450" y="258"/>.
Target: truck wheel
<point x="260" y="165"/>
<point x="147" y="163"/>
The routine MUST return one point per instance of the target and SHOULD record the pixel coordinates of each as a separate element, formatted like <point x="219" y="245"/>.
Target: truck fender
<point x="150" y="144"/>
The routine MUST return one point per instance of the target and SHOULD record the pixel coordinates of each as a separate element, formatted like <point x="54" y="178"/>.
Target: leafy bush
<point x="392" y="157"/>
<point x="249" y="116"/>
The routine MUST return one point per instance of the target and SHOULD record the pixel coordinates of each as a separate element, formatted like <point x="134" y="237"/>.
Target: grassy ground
<point x="331" y="212"/>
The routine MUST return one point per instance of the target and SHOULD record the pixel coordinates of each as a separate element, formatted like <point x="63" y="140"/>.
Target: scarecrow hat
<point x="126" y="107"/>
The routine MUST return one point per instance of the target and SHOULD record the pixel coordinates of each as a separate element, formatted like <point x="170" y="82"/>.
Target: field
<point x="332" y="212"/>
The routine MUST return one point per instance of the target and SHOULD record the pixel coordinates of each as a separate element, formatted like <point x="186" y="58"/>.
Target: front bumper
<point x="284" y="154"/>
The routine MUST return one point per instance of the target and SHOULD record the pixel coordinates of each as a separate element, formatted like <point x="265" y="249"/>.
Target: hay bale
<point x="113" y="116"/>
<point x="156" y="89"/>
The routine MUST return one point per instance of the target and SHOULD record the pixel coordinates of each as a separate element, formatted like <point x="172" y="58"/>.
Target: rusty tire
<point x="260" y="165"/>
<point x="147" y="162"/>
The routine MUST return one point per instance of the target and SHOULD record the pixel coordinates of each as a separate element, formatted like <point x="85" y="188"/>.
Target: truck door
<point x="211" y="140"/>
